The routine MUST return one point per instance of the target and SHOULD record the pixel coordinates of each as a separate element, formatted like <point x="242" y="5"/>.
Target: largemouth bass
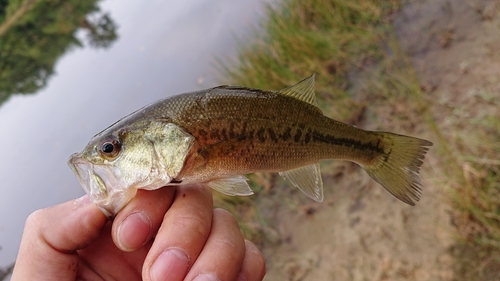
<point x="220" y="134"/>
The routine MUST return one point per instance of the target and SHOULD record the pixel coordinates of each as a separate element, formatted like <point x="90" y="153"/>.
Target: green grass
<point x="352" y="49"/>
<point x="342" y="39"/>
<point x="477" y="193"/>
<point x="327" y="37"/>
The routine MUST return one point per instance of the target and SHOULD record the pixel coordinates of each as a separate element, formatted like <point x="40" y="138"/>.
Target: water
<point x="165" y="48"/>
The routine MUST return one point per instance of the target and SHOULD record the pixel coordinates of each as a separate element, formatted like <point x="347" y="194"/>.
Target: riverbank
<point x="405" y="68"/>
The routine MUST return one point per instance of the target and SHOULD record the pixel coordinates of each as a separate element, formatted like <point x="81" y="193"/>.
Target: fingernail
<point x="81" y="202"/>
<point x="134" y="231"/>
<point x="173" y="263"/>
<point x="206" y="277"/>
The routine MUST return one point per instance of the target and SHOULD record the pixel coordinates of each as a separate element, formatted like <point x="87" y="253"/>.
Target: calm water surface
<point x="165" y="48"/>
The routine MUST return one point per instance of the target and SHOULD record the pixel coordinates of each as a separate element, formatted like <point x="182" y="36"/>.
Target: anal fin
<point x="233" y="186"/>
<point x="307" y="179"/>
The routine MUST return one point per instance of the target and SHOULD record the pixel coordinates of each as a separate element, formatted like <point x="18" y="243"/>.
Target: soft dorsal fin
<point x="307" y="179"/>
<point x="304" y="91"/>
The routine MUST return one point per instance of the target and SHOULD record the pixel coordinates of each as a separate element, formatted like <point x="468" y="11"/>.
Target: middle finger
<point x="183" y="234"/>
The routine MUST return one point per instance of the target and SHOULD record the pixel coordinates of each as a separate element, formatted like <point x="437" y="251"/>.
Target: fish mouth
<point x="100" y="183"/>
<point x="83" y="171"/>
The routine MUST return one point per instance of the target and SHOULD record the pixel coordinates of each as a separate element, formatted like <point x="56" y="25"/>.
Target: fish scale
<point x="220" y="134"/>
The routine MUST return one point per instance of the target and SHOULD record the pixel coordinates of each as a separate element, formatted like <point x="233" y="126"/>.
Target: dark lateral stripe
<point x="297" y="136"/>
<point x="215" y="134"/>
<point x="272" y="135"/>
<point x="286" y="135"/>
<point x="202" y="132"/>
<point x="261" y="135"/>
<point x="231" y="130"/>
<point x="244" y="128"/>
<point x="325" y="138"/>
<point x="307" y="139"/>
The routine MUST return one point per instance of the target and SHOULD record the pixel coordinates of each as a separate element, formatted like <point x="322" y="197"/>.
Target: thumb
<point x="51" y="238"/>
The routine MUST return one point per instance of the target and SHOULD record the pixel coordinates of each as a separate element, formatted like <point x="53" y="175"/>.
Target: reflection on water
<point x="164" y="48"/>
<point x="34" y="34"/>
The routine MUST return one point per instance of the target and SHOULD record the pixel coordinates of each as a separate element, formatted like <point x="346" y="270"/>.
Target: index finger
<point x="137" y="223"/>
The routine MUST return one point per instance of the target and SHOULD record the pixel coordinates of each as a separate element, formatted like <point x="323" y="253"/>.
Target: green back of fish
<point x="245" y="130"/>
<point x="240" y="130"/>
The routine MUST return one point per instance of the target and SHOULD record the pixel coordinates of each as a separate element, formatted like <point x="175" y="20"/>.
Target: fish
<point x="218" y="135"/>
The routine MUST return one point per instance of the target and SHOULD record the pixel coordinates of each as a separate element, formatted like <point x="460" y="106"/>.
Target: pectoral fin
<point x="233" y="186"/>
<point x="307" y="179"/>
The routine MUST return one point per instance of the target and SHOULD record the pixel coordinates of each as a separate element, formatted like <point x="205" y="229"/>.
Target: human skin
<point x="165" y="234"/>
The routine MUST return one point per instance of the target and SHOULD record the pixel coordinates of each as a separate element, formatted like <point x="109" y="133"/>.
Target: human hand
<point x="165" y="234"/>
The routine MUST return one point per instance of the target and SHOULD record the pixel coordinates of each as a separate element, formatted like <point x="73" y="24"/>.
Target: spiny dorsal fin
<point x="304" y="91"/>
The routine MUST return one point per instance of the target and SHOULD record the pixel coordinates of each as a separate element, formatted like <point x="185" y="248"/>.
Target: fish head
<point x="118" y="161"/>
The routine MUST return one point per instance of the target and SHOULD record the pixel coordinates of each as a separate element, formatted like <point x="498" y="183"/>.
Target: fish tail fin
<point x="397" y="168"/>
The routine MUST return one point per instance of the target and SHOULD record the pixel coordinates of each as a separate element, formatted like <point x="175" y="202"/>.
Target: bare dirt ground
<point x="361" y="232"/>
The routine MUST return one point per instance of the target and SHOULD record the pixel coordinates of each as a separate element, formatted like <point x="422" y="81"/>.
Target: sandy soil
<point x="361" y="232"/>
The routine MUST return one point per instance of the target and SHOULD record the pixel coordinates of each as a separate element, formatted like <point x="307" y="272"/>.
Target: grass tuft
<point x="351" y="47"/>
<point x="303" y="37"/>
<point x="326" y="37"/>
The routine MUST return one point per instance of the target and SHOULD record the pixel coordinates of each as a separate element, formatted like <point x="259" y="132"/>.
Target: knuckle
<point x="228" y="234"/>
<point x="226" y="217"/>
<point x="196" y="223"/>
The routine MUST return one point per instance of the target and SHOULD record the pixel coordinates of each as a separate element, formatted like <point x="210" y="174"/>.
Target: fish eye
<point x="110" y="148"/>
<point x="107" y="147"/>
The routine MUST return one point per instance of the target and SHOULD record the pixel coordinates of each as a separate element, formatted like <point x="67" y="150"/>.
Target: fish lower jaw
<point x="115" y="201"/>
